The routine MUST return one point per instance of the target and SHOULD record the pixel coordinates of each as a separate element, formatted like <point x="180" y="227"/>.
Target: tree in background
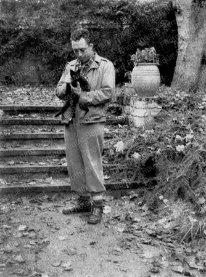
<point x="190" y="70"/>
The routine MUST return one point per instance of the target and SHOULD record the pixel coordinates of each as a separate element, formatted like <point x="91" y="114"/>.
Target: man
<point x="84" y="136"/>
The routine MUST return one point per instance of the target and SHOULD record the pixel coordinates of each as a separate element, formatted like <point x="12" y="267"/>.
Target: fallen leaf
<point x="147" y="255"/>
<point x="22" y="228"/>
<point x="106" y="177"/>
<point x="201" y="200"/>
<point x="41" y="163"/>
<point x="178" y="268"/>
<point x="57" y="264"/>
<point x="10" y="162"/>
<point x="62" y="238"/>
<point x="66" y="266"/>
<point x="180" y="148"/>
<point x="117" y="251"/>
<point x="107" y="209"/>
<point x="178" y="137"/>
<point x="120" y="230"/>
<point x="8" y="249"/>
<point x="136" y="156"/>
<point x="119" y="146"/>
<point x="19" y="259"/>
<point x="70" y="251"/>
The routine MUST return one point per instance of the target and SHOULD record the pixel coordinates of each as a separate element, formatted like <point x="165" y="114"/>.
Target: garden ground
<point x="38" y="240"/>
<point x="148" y="232"/>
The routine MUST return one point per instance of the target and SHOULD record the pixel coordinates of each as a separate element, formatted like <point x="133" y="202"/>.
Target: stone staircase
<point x="32" y="150"/>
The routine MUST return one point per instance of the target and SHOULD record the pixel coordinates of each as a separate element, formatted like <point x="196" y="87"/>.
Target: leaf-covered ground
<point x="38" y="240"/>
<point x="28" y="96"/>
<point x="153" y="231"/>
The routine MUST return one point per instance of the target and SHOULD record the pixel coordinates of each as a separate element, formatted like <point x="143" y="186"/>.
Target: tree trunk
<point x="202" y="76"/>
<point x="191" y="22"/>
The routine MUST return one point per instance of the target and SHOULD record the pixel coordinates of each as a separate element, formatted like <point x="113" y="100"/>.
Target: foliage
<point x="42" y="29"/>
<point x="147" y="55"/>
<point x="170" y="151"/>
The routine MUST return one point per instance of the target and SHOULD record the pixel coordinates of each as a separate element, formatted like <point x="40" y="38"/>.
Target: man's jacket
<point x="101" y="77"/>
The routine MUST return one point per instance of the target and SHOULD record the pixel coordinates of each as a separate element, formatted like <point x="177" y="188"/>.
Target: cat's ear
<point x="72" y="72"/>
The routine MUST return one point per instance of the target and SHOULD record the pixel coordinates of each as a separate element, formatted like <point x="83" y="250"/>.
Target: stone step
<point x="59" y="185"/>
<point x="34" y="129"/>
<point x="37" y="156"/>
<point x="29" y="121"/>
<point x="27" y="139"/>
<point x="43" y="108"/>
<point x="23" y="175"/>
<point x="5" y="169"/>
<point x="29" y="108"/>
<point x="31" y="136"/>
<point x="38" y="136"/>
<point x="35" y="150"/>
<point x="32" y="156"/>
<point x="22" y="178"/>
<point x="48" y="168"/>
<point x="32" y="152"/>
<point x="51" y="159"/>
<point x="40" y="140"/>
<point x="53" y="122"/>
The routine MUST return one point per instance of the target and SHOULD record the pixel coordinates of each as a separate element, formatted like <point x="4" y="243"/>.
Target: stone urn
<point x="145" y="79"/>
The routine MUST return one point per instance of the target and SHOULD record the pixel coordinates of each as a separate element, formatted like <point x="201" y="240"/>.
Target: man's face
<point x="82" y="50"/>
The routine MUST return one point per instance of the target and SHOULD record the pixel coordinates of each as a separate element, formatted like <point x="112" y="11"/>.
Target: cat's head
<point x="75" y="74"/>
<point x="77" y="77"/>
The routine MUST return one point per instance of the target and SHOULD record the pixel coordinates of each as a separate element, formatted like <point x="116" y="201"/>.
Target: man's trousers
<point x="84" y="148"/>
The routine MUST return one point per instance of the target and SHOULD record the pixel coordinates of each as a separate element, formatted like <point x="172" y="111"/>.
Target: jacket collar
<point x="94" y="63"/>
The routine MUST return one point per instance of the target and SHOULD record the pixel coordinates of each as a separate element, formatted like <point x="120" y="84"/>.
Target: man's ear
<point x="91" y="45"/>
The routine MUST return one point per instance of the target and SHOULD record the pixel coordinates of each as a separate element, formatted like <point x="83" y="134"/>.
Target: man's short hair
<point x="80" y="33"/>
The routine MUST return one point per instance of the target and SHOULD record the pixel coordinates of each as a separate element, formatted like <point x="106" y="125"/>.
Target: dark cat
<point x="73" y="99"/>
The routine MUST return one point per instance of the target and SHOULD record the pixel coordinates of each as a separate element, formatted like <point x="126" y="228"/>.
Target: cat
<point x="73" y="99"/>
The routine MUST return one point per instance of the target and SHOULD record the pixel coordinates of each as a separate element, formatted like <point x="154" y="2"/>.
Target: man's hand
<point x="76" y="90"/>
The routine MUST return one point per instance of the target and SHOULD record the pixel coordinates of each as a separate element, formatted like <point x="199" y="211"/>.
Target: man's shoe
<point x="96" y="215"/>
<point x="82" y="205"/>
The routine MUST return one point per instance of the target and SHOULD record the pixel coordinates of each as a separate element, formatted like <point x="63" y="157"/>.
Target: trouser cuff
<point x="98" y="197"/>
<point x="84" y="195"/>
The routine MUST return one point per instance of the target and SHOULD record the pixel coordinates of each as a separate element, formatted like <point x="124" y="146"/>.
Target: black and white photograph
<point x="102" y="138"/>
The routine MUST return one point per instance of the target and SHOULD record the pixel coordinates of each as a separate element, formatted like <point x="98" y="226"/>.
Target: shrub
<point x="118" y="28"/>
